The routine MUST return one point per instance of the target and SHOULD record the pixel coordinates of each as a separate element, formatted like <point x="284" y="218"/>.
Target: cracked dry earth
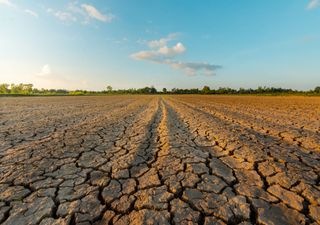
<point x="160" y="160"/>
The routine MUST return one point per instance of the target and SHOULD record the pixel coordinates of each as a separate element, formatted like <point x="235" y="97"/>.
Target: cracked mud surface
<point x="160" y="160"/>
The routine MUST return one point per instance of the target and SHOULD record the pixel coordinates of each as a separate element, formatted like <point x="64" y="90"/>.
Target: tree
<point x="317" y="90"/>
<point x="109" y="88"/>
<point x="206" y="90"/>
<point x="164" y="90"/>
<point x="27" y="89"/>
<point x="16" y="88"/>
<point x="4" y="89"/>
<point x="153" y="90"/>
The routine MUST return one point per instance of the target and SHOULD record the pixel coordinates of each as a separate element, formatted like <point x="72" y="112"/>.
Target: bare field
<point x="160" y="160"/>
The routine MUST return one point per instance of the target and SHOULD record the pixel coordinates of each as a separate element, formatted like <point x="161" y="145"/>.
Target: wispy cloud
<point x="18" y="8"/>
<point x="94" y="13"/>
<point x="163" y="41"/>
<point x="74" y="12"/>
<point x="194" y="68"/>
<point x="189" y="68"/>
<point x="7" y="3"/>
<point x="31" y="12"/>
<point x="62" y="15"/>
<point x="160" y="53"/>
<point x="313" y="4"/>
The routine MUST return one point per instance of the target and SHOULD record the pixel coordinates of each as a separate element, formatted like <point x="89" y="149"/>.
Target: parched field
<point x="160" y="160"/>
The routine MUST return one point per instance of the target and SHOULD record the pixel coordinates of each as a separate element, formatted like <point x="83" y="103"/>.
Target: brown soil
<point x="160" y="160"/>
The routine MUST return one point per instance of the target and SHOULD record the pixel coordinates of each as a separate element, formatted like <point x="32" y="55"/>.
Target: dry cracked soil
<point x="159" y="160"/>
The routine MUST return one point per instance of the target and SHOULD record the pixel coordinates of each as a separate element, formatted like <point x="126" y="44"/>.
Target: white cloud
<point x="163" y="52"/>
<point x="30" y="12"/>
<point x="144" y="55"/>
<point x="74" y="12"/>
<point x="164" y="55"/>
<point x="62" y="15"/>
<point x="194" y="68"/>
<point x="45" y="71"/>
<point x="75" y="8"/>
<point x="163" y="41"/>
<point x="94" y="13"/>
<point x="7" y="3"/>
<point x="313" y="4"/>
<point x="175" y="50"/>
<point x="18" y="8"/>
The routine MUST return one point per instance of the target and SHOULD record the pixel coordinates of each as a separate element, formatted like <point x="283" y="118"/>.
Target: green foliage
<point x="23" y="89"/>
<point x="206" y="90"/>
<point x="185" y="91"/>
<point x="4" y="89"/>
<point x="164" y="90"/>
<point x="27" y="89"/>
<point x="109" y="89"/>
<point x="77" y="92"/>
<point x="145" y="90"/>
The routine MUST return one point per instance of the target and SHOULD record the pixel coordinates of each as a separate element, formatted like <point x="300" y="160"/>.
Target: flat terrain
<point x="160" y="160"/>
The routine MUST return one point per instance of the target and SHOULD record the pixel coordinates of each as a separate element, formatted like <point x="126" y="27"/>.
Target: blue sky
<point x="169" y="43"/>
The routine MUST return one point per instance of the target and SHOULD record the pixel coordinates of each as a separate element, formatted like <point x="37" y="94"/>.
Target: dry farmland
<point x="160" y="160"/>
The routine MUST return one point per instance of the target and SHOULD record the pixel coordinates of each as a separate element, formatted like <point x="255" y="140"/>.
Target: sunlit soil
<point x="160" y="160"/>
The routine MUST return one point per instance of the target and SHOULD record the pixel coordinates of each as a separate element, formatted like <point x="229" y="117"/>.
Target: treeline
<point x="28" y="89"/>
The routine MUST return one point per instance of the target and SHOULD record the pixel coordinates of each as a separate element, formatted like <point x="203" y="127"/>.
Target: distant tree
<point x="164" y="90"/>
<point x="24" y="89"/>
<point x="260" y="89"/>
<point x="153" y="90"/>
<point x="62" y="91"/>
<point x="109" y="88"/>
<point x="15" y="89"/>
<point x="4" y="89"/>
<point x="206" y="90"/>
<point x="242" y="91"/>
<point x="27" y="89"/>
<point x="145" y="90"/>
<point x="77" y="92"/>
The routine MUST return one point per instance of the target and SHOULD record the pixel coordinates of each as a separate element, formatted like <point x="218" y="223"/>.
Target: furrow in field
<point x="46" y="128"/>
<point x="294" y="112"/>
<point x="275" y="176"/>
<point x="40" y="119"/>
<point x="307" y="139"/>
<point x="64" y="173"/>
<point x="157" y="160"/>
